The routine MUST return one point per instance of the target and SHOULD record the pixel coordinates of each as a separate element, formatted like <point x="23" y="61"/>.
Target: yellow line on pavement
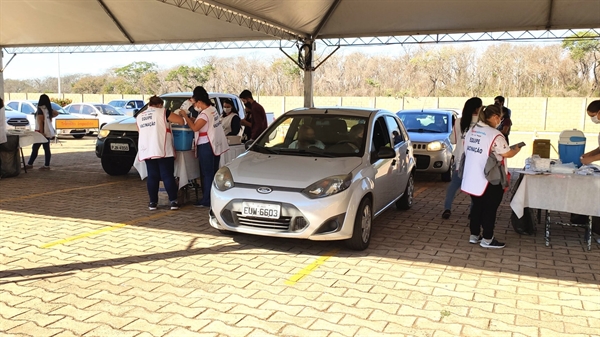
<point x="55" y="192"/>
<point x="103" y="230"/>
<point x="310" y="268"/>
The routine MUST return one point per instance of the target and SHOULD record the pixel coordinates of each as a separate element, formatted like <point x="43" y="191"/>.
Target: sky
<point x="28" y="66"/>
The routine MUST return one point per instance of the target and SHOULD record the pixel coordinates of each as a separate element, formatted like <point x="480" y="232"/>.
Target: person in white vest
<point x="469" y="117"/>
<point x="593" y="110"/>
<point x="155" y="148"/>
<point x="210" y="141"/>
<point x="43" y="125"/>
<point x="231" y="119"/>
<point x="481" y="141"/>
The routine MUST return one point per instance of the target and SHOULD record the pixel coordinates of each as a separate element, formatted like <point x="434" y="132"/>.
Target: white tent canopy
<point x="39" y="23"/>
<point x="89" y="22"/>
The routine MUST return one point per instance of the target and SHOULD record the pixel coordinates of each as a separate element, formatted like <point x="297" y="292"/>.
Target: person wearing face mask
<point x="210" y="141"/>
<point x="306" y="139"/>
<point x="482" y="141"/>
<point x="593" y="110"/>
<point x="256" y="119"/>
<point x="231" y="119"/>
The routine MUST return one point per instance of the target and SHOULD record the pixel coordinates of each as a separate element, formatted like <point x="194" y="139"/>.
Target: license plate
<point x="20" y="127"/>
<point x="260" y="210"/>
<point x="119" y="147"/>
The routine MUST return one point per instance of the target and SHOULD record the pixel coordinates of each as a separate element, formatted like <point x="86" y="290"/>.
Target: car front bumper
<point x="433" y="161"/>
<point x="324" y="219"/>
<point x="103" y="147"/>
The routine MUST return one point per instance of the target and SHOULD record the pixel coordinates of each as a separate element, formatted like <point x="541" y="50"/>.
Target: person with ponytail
<point x="43" y="125"/>
<point x="469" y="117"/>
<point x="210" y="140"/>
<point x="482" y="142"/>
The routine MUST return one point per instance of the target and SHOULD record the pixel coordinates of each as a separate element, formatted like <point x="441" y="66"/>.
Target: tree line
<point x="570" y="68"/>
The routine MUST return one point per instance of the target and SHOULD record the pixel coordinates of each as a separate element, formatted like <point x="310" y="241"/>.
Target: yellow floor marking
<point x="310" y="268"/>
<point x="419" y="191"/>
<point x="104" y="230"/>
<point x="55" y="192"/>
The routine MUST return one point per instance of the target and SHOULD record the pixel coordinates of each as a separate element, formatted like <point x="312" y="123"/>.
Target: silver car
<point x="430" y="130"/>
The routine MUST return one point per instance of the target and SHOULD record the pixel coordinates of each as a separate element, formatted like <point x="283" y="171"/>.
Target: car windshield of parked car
<point x="424" y="122"/>
<point x="314" y="135"/>
<point x="117" y="104"/>
<point x="107" y="109"/>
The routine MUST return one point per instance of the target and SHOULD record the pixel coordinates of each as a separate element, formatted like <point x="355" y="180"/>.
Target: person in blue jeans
<point x="209" y="140"/>
<point x="469" y="117"/>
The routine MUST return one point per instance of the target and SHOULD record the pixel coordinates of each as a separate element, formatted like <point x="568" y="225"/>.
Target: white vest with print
<point x="216" y="134"/>
<point x="48" y="131"/>
<point x="155" y="137"/>
<point x="477" y="146"/>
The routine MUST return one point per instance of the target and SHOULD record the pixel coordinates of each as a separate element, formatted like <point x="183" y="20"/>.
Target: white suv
<point x="117" y="142"/>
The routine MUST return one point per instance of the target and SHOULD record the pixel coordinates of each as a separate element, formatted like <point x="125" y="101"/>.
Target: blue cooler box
<point x="571" y="146"/>
<point x="183" y="137"/>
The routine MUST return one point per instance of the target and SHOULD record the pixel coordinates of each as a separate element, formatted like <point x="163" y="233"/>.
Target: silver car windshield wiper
<point x="319" y="153"/>
<point x="424" y="130"/>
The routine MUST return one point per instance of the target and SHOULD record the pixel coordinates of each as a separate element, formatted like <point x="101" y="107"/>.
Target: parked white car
<point x="29" y="107"/>
<point x="104" y="113"/>
<point x="127" y="106"/>
<point x="317" y="174"/>
<point x="117" y="142"/>
<point x="16" y="120"/>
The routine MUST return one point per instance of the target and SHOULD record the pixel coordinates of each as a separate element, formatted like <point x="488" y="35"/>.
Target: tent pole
<point x="307" y="53"/>
<point x="1" y="75"/>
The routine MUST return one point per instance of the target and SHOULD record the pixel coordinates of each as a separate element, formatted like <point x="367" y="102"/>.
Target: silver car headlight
<point x="435" y="146"/>
<point x="328" y="186"/>
<point x="103" y="133"/>
<point x="224" y="179"/>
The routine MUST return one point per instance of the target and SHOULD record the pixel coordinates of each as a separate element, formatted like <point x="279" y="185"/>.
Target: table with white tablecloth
<point x="570" y="193"/>
<point x="27" y="138"/>
<point x="187" y="166"/>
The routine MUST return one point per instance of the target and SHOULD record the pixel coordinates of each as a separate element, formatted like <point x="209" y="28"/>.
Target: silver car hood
<point x="288" y="171"/>
<point x="427" y="137"/>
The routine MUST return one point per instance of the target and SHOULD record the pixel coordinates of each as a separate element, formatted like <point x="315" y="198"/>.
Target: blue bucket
<point x="183" y="137"/>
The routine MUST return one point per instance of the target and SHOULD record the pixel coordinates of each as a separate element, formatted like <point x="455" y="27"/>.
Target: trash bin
<point x="571" y="146"/>
<point x="10" y="161"/>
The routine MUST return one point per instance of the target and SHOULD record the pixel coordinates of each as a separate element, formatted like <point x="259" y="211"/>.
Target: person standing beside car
<point x="258" y="121"/>
<point x="43" y="125"/>
<point x="155" y="148"/>
<point x="469" y="117"/>
<point x="210" y="141"/>
<point x="482" y="143"/>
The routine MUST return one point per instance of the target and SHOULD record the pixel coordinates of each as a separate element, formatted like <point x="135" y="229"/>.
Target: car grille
<point x="422" y="162"/>
<point x="419" y="146"/>
<point x="18" y="122"/>
<point x="282" y="224"/>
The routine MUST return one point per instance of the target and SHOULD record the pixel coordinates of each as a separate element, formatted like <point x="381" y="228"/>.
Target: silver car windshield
<point x="314" y="135"/>
<point x="425" y="122"/>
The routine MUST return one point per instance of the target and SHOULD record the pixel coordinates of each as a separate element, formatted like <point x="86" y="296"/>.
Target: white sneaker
<point x="475" y="239"/>
<point x="493" y="243"/>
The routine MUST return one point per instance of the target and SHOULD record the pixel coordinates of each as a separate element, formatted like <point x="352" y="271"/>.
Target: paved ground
<point x="82" y="255"/>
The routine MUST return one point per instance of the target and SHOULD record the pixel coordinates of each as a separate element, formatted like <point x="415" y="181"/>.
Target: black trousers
<point x="483" y="212"/>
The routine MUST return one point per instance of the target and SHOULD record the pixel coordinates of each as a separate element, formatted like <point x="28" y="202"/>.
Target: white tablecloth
<point x="570" y="193"/>
<point x="187" y="166"/>
<point x="27" y="138"/>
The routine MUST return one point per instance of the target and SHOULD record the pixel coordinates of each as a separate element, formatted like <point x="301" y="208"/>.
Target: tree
<point x="186" y="78"/>
<point x="584" y="48"/>
<point x="90" y="85"/>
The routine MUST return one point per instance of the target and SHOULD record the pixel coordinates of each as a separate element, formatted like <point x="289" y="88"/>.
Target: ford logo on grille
<point x="264" y="190"/>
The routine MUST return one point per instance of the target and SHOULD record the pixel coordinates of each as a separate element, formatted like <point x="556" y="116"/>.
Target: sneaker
<point x="200" y="205"/>
<point x="152" y="206"/>
<point x="28" y="166"/>
<point x="45" y="168"/>
<point x="492" y="244"/>
<point x="475" y="239"/>
<point x="446" y="214"/>
<point x="174" y="205"/>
